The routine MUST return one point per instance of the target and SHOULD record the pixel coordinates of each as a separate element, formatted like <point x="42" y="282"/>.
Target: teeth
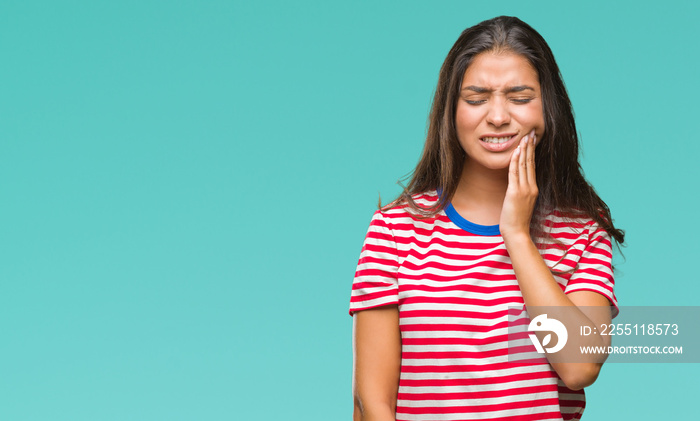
<point x="496" y="139"/>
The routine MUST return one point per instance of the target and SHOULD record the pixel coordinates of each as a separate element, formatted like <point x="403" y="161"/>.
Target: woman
<point x="497" y="214"/>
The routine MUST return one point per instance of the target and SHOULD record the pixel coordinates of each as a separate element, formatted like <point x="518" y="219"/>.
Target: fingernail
<point x="532" y="133"/>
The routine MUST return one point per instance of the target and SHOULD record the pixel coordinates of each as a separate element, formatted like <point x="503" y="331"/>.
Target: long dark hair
<point x="561" y="183"/>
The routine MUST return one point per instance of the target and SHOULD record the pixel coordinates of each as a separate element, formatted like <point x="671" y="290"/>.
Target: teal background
<point x="185" y="187"/>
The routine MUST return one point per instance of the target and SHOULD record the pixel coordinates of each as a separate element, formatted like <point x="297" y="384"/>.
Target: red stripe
<point x="436" y="327"/>
<point x="482" y="394"/>
<point x="408" y="241"/>
<point x="524" y="417"/>
<point x="432" y="253"/>
<point x="375" y="272"/>
<point x="373" y="284"/>
<point x="461" y="300"/>
<point x="443" y="266"/>
<point x="479" y="408"/>
<point x="462" y="341"/>
<point x="463" y="368"/>
<point x="470" y="276"/>
<point x="454" y="313"/>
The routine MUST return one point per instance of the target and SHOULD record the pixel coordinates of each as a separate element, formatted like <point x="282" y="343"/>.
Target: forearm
<point x="539" y="289"/>
<point x="376" y="363"/>
<point x="373" y="412"/>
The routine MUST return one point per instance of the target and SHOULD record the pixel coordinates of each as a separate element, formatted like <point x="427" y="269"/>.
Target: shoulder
<point x="402" y="218"/>
<point x="574" y="234"/>
<point x="566" y="223"/>
<point x="404" y="210"/>
<point x="425" y="199"/>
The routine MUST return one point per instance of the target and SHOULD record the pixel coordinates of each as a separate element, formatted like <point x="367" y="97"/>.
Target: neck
<point x="480" y="193"/>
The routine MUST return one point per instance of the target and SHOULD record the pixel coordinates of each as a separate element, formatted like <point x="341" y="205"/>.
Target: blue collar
<point x="468" y="226"/>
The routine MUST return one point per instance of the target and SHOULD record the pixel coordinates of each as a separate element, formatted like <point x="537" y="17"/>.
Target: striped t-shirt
<point x="453" y="282"/>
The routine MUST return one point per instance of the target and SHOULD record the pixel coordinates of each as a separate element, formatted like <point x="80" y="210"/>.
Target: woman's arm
<point x="538" y="286"/>
<point x="539" y="289"/>
<point x="376" y="363"/>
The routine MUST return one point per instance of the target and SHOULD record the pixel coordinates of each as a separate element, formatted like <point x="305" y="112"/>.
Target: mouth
<point x="498" y="142"/>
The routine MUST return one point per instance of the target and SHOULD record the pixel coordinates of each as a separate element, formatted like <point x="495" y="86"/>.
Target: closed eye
<point x="521" y="100"/>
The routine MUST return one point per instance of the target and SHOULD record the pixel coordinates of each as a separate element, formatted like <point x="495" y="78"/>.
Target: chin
<point x="497" y="165"/>
<point x="491" y="163"/>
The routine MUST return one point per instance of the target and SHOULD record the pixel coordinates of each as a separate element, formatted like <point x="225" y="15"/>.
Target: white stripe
<point x="454" y="334"/>
<point x="478" y="387"/>
<point x="588" y="287"/>
<point x="379" y="255"/>
<point x="477" y="402"/>
<point x="464" y="321"/>
<point x="371" y="290"/>
<point x="374" y="265"/>
<point x="373" y="303"/>
<point x="510" y="371"/>
<point x="456" y="348"/>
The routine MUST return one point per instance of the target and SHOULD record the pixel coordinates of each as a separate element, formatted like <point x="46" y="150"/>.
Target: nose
<point x="498" y="114"/>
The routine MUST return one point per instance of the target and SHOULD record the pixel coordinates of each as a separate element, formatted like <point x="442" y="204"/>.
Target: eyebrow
<point x="508" y="90"/>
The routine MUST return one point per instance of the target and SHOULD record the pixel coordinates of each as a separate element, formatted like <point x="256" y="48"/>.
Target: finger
<point x="531" y="179"/>
<point x="522" y="161"/>
<point x="513" y="167"/>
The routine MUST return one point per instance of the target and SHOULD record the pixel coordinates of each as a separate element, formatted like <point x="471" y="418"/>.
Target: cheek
<point x="466" y="121"/>
<point x="531" y="117"/>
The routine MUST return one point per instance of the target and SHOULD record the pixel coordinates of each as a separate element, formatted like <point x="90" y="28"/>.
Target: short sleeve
<point x="594" y="271"/>
<point x="376" y="282"/>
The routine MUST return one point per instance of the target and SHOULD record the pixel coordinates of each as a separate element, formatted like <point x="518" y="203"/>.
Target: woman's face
<point x="500" y="102"/>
